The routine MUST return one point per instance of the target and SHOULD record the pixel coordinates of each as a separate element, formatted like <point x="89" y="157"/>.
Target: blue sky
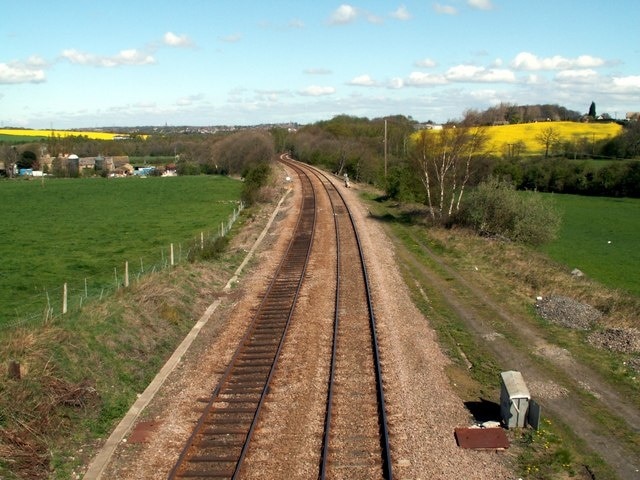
<point x="96" y="63"/>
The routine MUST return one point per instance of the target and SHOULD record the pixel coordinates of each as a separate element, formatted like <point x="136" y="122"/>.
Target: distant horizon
<point x="108" y="128"/>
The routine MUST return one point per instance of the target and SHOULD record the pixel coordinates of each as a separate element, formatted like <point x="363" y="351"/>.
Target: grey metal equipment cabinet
<point x="514" y="399"/>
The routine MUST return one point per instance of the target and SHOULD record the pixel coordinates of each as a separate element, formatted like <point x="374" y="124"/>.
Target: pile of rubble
<point x="567" y="312"/>
<point x="624" y="340"/>
<point x="570" y="313"/>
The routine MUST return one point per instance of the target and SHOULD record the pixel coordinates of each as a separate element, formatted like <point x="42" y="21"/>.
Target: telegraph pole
<point x="385" y="148"/>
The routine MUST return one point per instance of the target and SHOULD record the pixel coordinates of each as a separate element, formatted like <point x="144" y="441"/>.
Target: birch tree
<point x="444" y="160"/>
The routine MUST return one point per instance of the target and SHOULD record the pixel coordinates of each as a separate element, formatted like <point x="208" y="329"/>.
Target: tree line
<point x="226" y="153"/>
<point x="357" y="146"/>
<point x="410" y="162"/>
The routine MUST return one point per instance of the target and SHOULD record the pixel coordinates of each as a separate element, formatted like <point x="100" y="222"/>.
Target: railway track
<point x="355" y="442"/>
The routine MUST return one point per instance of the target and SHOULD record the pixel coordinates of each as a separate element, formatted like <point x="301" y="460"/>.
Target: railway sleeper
<point x="194" y="474"/>
<point x="225" y="430"/>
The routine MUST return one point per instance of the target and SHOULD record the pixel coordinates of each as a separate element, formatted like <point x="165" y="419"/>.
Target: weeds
<point x="544" y="456"/>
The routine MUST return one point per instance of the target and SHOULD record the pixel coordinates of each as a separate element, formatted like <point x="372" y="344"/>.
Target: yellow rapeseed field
<point x="61" y="133"/>
<point x="501" y="138"/>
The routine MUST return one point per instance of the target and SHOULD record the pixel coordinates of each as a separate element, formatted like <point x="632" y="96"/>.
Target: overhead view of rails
<point x="355" y="442"/>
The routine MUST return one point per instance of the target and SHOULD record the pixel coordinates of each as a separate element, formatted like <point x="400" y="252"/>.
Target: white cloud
<point x="363" y="81"/>
<point x="36" y="61"/>
<point x="425" y="63"/>
<point x="133" y="57"/>
<point x="343" y="14"/>
<point x="587" y="61"/>
<point x="124" y="57"/>
<point x="401" y="13"/>
<point x="174" y="40"/>
<point x="627" y="84"/>
<point x="534" y="79"/>
<point x="529" y="61"/>
<point x="577" y="76"/>
<point x="12" y="73"/>
<point x="396" y="83"/>
<point x="480" y="4"/>
<point x="190" y="100"/>
<point x="486" y="95"/>
<point x="445" y="9"/>
<point x="317" y="91"/>
<point x="421" y="79"/>
<point x="471" y="73"/>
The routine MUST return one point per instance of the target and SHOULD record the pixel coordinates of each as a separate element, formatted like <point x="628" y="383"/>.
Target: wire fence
<point x="71" y="296"/>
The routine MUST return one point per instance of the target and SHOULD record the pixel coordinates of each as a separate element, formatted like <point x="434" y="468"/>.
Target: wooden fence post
<point x="126" y="274"/>
<point x="13" y="370"/>
<point x="172" y="254"/>
<point x="64" y="299"/>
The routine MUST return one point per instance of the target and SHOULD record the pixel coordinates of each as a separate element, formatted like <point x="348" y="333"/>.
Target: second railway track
<point x="355" y="440"/>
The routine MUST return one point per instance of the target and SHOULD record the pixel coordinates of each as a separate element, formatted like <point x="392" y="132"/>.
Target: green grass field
<point x="68" y="230"/>
<point x="601" y="237"/>
<point x="11" y="139"/>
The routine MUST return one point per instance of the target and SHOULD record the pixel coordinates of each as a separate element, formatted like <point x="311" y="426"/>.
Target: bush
<point x="255" y="178"/>
<point x="495" y="208"/>
<point x="187" y="168"/>
<point x="210" y="250"/>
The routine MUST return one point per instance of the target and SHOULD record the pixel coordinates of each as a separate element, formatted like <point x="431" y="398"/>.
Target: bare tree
<point x="9" y="156"/>
<point x="548" y="137"/>
<point x="444" y="160"/>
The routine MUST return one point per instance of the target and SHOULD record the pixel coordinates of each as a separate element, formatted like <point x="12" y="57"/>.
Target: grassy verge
<point x="512" y="276"/>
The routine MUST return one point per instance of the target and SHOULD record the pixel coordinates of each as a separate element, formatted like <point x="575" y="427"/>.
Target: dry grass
<point x="40" y="412"/>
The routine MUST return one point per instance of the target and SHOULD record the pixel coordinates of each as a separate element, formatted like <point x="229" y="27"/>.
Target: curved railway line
<point x="355" y="442"/>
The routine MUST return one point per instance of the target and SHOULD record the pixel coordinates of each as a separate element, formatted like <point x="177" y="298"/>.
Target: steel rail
<point x="208" y="449"/>
<point x="384" y="432"/>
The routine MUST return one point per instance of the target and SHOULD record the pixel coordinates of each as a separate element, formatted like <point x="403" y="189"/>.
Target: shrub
<point x="212" y="249"/>
<point x="187" y="168"/>
<point x="255" y="178"/>
<point x="495" y="208"/>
